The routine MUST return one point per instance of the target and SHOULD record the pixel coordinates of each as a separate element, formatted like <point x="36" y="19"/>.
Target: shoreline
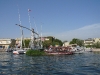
<point x="2" y="50"/>
<point x="96" y="49"/>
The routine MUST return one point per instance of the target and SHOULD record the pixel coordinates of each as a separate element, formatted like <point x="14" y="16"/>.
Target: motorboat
<point x="20" y="51"/>
<point x="81" y="50"/>
<point x="88" y="49"/>
<point x="77" y="50"/>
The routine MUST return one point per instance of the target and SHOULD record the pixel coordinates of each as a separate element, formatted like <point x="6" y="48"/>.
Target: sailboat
<point x="21" y="50"/>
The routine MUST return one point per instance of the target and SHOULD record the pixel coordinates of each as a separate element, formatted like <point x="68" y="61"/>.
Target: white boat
<point x="15" y="52"/>
<point x="21" y="51"/>
<point x="88" y="49"/>
<point x="77" y="50"/>
<point x="81" y="50"/>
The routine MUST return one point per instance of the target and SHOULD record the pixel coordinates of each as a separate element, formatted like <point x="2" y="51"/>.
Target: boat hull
<point x="15" y="52"/>
<point x="60" y="53"/>
<point x="19" y="52"/>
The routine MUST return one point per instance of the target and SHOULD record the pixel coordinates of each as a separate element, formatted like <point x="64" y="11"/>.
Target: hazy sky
<point x="63" y="19"/>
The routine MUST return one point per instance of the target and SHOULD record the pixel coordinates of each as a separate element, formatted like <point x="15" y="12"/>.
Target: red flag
<point x="29" y="10"/>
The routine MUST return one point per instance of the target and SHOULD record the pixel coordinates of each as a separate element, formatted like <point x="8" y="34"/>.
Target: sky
<point x="62" y="19"/>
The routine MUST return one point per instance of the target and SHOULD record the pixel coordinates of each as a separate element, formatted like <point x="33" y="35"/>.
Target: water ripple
<point x="78" y="64"/>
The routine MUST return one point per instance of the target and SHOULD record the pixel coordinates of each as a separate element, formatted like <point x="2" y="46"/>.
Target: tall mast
<point x="41" y="38"/>
<point x="38" y="41"/>
<point x="32" y="30"/>
<point x="29" y="18"/>
<point x="20" y="29"/>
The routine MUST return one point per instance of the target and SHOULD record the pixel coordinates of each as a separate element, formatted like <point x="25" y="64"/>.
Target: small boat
<point x="81" y="50"/>
<point x="77" y="50"/>
<point x="88" y="49"/>
<point x="9" y="49"/>
<point x="21" y="51"/>
<point x="15" y="52"/>
<point x="58" y="51"/>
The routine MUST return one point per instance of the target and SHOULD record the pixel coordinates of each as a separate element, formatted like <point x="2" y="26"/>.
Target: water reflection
<point x="78" y="64"/>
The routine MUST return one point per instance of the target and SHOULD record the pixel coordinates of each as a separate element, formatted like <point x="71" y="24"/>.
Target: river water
<point x="77" y="64"/>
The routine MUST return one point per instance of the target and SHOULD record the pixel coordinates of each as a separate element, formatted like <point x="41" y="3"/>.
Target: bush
<point x="35" y="53"/>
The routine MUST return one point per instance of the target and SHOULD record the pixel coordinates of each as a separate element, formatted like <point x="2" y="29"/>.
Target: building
<point x="91" y="41"/>
<point x="88" y="41"/>
<point x="66" y="43"/>
<point x="96" y="40"/>
<point x="5" y="43"/>
<point x="44" y="38"/>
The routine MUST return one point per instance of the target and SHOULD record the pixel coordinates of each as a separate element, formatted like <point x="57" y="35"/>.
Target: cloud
<point x="89" y="31"/>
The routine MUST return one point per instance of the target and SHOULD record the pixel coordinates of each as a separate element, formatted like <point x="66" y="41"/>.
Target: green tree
<point x="74" y="41"/>
<point x="26" y="43"/>
<point x="13" y="42"/>
<point x="77" y="41"/>
<point x="80" y="42"/>
<point x="47" y="43"/>
<point x="52" y="41"/>
<point x="57" y="42"/>
<point x="97" y="45"/>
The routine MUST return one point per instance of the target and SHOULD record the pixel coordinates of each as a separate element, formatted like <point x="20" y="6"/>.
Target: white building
<point x="66" y="43"/>
<point x="5" y="43"/>
<point x="91" y="41"/>
<point x="96" y="40"/>
<point x="88" y="41"/>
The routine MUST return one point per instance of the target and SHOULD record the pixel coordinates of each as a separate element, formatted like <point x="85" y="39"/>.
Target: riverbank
<point x="96" y="49"/>
<point x="2" y="50"/>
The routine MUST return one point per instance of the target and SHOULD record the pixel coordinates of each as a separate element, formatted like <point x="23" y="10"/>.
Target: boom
<point x="32" y="45"/>
<point x="27" y="28"/>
